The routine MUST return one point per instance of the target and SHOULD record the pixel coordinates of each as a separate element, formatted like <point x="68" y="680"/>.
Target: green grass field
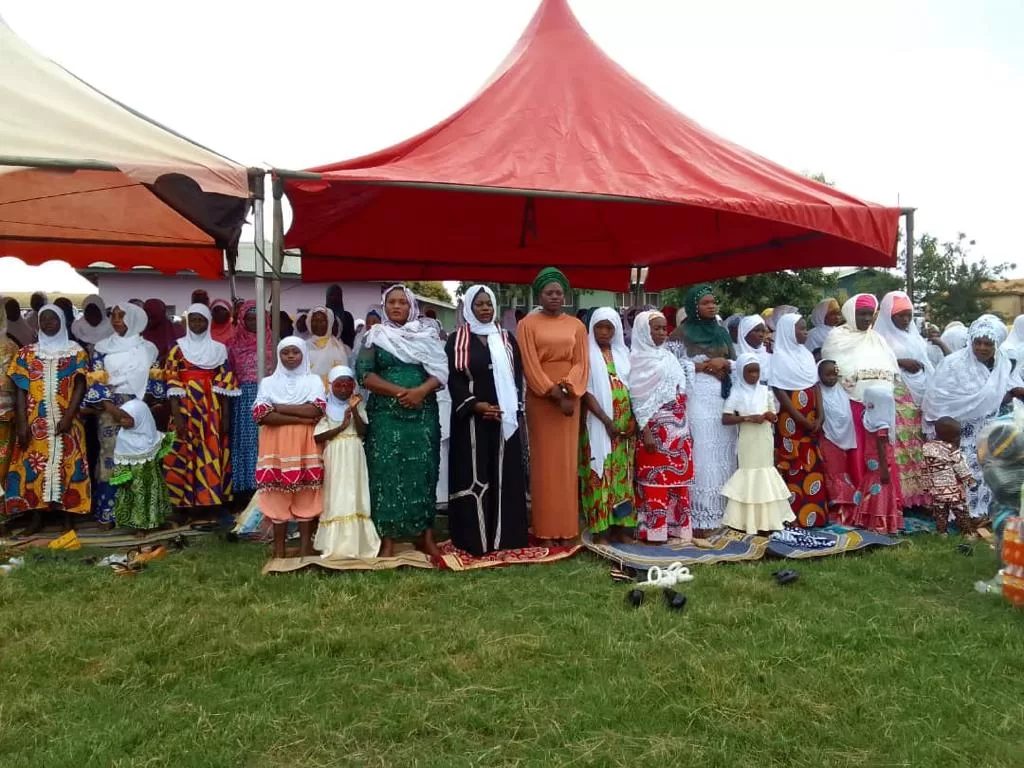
<point x="883" y="659"/>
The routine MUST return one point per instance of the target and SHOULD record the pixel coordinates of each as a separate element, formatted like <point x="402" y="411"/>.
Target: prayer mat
<point x="91" y="535"/>
<point x="453" y="559"/>
<point x="846" y="540"/>
<point x="920" y="524"/>
<point x="726" y="547"/>
<point x="410" y="558"/>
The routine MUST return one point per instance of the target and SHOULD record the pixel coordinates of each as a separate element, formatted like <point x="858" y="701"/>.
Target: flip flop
<point x="635" y="598"/>
<point x="786" y="576"/>
<point x="674" y="600"/>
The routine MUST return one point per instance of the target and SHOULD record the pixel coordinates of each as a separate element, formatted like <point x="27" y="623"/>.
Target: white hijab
<point x="821" y="330"/>
<point x="838" y="426"/>
<point x="599" y="384"/>
<point x="411" y="342"/>
<point x="141" y="442"/>
<point x="764" y="357"/>
<point x="1014" y="344"/>
<point x="326" y="350"/>
<point x="856" y="351"/>
<point x="880" y="410"/>
<point x="127" y="359"/>
<point x="294" y="387"/>
<point x="747" y="399"/>
<point x="58" y="345"/>
<point x="908" y="344"/>
<point x="87" y="333"/>
<point x="962" y="387"/>
<point x="501" y="367"/>
<point x="655" y="375"/>
<point x="793" y="366"/>
<point x="336" y="409"/>
<point x="955" y="336"/>
<point x="200" y="349"/>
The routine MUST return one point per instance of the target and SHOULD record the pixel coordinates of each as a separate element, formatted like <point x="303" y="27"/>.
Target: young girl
<point x="881" y="506"/>
<point x="49" y="469"/>
<point x="141" y="500"/>
<point x="758" y="499"/>
<point x="346" y="529"/>
<point x="836" y="439"/>
<point x="658" y="383"/>
<point x="606" y="440"/>
<point x="199" y="383"/>
<point x="948" y="477"/>
<point x="289" y="470"/>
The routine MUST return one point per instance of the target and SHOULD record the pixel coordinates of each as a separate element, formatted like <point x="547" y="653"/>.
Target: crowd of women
<point x="653" y="426"/>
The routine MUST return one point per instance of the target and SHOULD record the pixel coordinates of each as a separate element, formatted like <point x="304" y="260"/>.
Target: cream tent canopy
<point x="85" y="179"/>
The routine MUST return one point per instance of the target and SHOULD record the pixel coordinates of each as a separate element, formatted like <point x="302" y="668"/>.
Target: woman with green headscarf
<point x="556" y="363"/>
<point x="700" y="340"/>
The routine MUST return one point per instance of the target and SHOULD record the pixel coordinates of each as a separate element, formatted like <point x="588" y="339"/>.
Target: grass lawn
<point x="884" y="659"/>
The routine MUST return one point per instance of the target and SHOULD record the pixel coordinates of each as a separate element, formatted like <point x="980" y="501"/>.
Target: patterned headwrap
<point x="550" y="275"/>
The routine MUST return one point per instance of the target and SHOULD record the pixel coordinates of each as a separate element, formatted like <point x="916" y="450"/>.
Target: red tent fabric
<point x="563" y="158"/>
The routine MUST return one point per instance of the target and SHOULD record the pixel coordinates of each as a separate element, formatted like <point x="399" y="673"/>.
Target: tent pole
<point x="909" y="218"/>
<point x="278" y="253"/>
<point x="259" y="242"/>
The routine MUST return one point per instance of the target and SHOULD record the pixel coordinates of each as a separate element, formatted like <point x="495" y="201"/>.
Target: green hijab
<point x="547" y="276"/>
<point x="703" y="336"/>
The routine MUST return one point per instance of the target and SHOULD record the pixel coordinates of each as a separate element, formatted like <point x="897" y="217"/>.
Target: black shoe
<point x="786" y="576"/>
<point x="674" y="600"/>
<point x="965" y="549"/>
<point x="635" y="597"/>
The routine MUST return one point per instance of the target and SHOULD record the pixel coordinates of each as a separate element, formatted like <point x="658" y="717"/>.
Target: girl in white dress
<point x="757" y="496"/>
<point x="346" y="529"/>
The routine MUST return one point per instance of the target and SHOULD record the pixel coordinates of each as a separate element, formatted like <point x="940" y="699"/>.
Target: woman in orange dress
<point x="557" y="366"/>
<point x="289" y="471"/>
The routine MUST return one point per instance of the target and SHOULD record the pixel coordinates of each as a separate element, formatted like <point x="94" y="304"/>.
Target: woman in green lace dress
<point x="403" y="364"/>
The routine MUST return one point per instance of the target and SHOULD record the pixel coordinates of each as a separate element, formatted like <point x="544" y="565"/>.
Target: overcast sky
<point x="919" y="102"/>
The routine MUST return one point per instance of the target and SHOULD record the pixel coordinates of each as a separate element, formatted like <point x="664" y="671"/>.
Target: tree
<point x="877" y="282"/>
<point x="431" y="289"/>
<point x="751" y="294"/>
<point x="949" y="282"/>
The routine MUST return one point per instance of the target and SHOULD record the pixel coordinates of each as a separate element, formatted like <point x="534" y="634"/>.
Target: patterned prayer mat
<point x="728" y="547"/>
<point x="90" y="535"/>
<point x="846" y="540"/>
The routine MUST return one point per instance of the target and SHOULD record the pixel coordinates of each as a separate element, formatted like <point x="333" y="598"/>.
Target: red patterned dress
<point x="198" y="470"/>
<point x="664" y="476"/>
<point x="799" y="462"/>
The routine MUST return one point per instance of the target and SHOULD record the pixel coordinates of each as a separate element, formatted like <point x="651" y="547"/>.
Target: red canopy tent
<point x="563" y="158"/>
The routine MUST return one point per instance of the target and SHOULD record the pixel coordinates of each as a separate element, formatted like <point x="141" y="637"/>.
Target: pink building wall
<point x="175" y="291"/>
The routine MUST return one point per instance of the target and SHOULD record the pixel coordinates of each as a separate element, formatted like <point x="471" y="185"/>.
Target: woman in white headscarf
<point x="289" y="471"/>
<point x="658" y="383"/>
<point x="1014" y="344"/>
<point x="971" y="385"/>
<point x="864" y="359"/>
<point x="794" y="377"/>
<point x="199" y="382"/>
<point x="896" y="325"/>
<point x="606" y="440"/>
<point x="750" y="339"/>
<point x="954" y="336"/>
<point x="122" y="370"/>
<point x="487" y="480"/>
<point x="325" y="349"/>
<point x="49" y="469"/>
<point x="403" y="366"/>
<point x="92" y="326"/>
<point x="826" y="316"/>
<point x="346" y="526"/>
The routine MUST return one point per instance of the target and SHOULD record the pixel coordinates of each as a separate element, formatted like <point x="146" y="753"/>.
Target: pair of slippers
<point x="673" y="600"/>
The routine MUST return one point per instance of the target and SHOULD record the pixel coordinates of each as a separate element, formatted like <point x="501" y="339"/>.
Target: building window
<point x="623" y="300"/>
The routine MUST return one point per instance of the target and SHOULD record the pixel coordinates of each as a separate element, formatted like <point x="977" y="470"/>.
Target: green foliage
<point x="432" y="289"/>
<point x="751" y="294"/>
<point x="877" y="282"/>
<point x="886" y="658"/>
<point x="949" y="281"/>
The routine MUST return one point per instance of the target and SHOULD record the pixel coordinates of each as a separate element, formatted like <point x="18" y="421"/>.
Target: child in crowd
<point x="948" y="474"/>
<point x="289" y="470"/>
<point x="881" y="504"/>
<point x="758" y="499"/>
<point x="835" y="440"/>
<point x="141" y="500"/>
<point x="346" y="529"/>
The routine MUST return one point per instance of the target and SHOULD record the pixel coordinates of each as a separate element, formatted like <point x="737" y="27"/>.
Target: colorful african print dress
<point x="8" y="351"/>
<point x="664" y="476"/>
<point x="198" y="470"/>
<point x="909" y="449"/>
<point x="881" y="504"/>
<point x="403" y="449"/>
<point x="607" y="499"/>
<point x="53" y="469"/>
<point x="103" y="492"/>
<point x="799" y="461"/>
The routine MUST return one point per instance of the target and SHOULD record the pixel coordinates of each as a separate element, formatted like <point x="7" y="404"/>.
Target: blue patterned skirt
<point x="244" y="440"/>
